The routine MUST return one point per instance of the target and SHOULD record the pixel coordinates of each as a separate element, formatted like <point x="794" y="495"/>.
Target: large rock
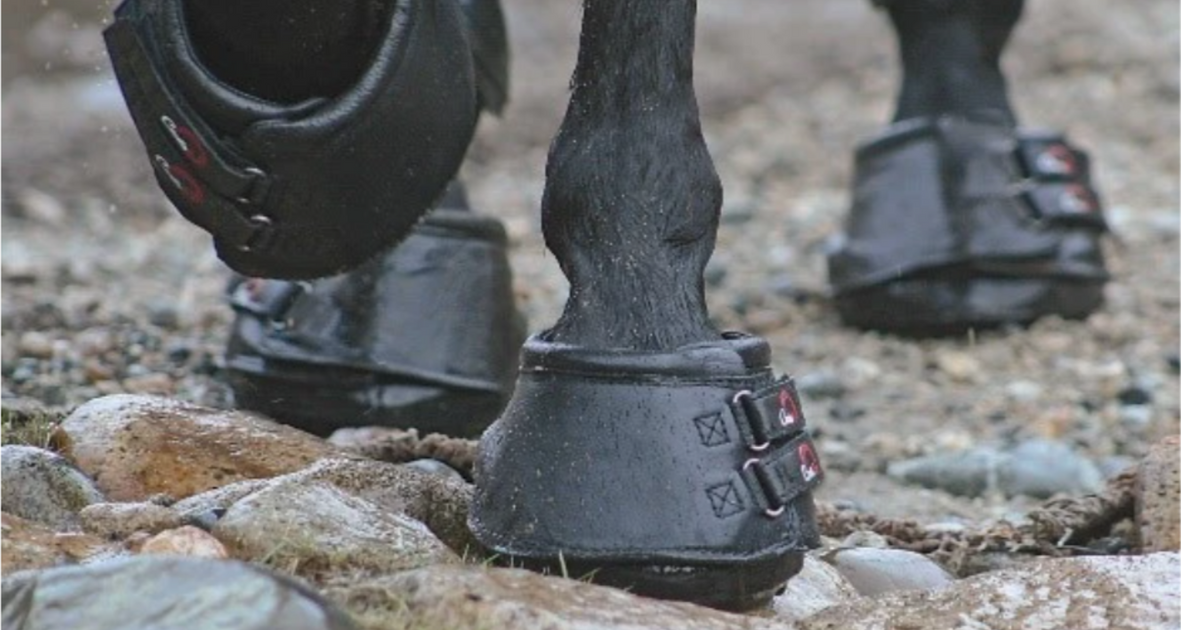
<point x="1086" y="593"/>
<point x="1158" y="497"/>
<point x="160" y="593"/>
<point x="439" y="502"/>
<point x="138" y="446"/>
<point x="475" y="598"/>
<point x="42" y="486"/>
<point x="28" y="545"/>
<point x="318" y="531"/>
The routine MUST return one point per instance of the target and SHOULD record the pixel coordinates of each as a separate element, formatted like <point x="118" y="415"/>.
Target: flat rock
<point x="120" y="520"/>
<point x="1085" y="593"/>
<point x="875" y="572"/>
<point x="138" y="446"/>
<point x="476" y="598"/>
<point x="165" y="593"/>
<point x="318" y="531"/>
<point x="43" y="486"/>
<point x="1158" y="497"/>
<point x="439" y="502"/>
<point x="28" y="545"/>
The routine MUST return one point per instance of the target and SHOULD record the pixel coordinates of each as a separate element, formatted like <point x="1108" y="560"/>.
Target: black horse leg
<point x="631" y="199"/>
<point x="950" y="52"/>
<point x="630" y="448"/>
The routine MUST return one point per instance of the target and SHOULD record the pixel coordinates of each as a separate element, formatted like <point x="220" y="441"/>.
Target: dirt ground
<point x="106" y="290"/>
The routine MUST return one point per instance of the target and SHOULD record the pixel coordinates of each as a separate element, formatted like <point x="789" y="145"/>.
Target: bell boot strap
<point x="208" y="183"/>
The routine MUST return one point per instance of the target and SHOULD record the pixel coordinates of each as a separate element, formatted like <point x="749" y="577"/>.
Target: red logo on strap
<point x="809" y="463"/>
<point x="182" y="179"/>
<point x="789" y="412"/>
<point x="1057" y="159"/>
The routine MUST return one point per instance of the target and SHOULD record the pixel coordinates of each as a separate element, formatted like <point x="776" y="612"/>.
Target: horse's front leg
<point x="641" y="445"/>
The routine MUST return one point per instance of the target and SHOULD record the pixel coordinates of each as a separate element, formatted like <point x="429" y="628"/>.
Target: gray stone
<point x="44" y="487"/>
<point x="317" y="530"/>
<point x="1043" y="468"/>
<point x="816" y="587"/>
<point x="1024" y="391"/>
<point x="820" y="385"/>
<point x="476" y="598"/>
<point x="1037" y="468"/>
<point x="435" y="467"/>
<point x="873" y="571"/>
<point x="968" y="473"/>
<point x="1085" y="593"/>
<point x="165" y="593"/>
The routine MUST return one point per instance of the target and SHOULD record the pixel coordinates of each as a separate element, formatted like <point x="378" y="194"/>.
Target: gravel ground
<point x="106" y="290"/>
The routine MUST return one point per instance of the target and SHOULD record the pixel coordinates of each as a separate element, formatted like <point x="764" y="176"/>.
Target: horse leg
<point x="1002" y="225"/>
<point x="634" y="444"/>
<point x="950" y="54"/>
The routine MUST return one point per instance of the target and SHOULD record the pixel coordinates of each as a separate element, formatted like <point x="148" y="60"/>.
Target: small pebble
<point x="164" y="316"/>
<point x="435" y="467"/>
<point x="1134" y="395"/>
<point x="865" y="538"/>
<point x="37" y="345"/>
<point x="960" y="366"/>
<point x="820" y="385"/>
<point x="1136" y="416"/>
<point x="185" y="541"/>
<point x="1023" y="391"/>
<point x="715" y="274"/>
<point x="150" y="384"/>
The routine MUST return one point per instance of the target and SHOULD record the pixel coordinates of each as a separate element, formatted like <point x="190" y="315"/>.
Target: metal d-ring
<point x="768" y="512"/>
<point x="737" y="400"/>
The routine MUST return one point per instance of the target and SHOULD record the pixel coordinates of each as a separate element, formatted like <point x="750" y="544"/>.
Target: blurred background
<point x="106" y="289"/>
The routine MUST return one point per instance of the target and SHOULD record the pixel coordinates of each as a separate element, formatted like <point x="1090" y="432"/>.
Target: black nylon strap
<point x="789" y="471"/>
<point x="202" y="177"/>
<point x="769" y="414"/>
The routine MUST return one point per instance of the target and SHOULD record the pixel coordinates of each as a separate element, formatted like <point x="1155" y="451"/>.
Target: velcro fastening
<point x="206" y="180"/>
<point x="1067" y="204"/>
<point x="790" y="470"/>
<point x="1051" y="158"/>
<point x="769" y="414"/>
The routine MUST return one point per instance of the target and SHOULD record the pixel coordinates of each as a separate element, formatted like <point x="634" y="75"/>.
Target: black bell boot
<point x="962" y="219"/>
<point x="959" y="223"/>
<point x="684" y="474"/>
<point x="423" y="337"/>
<point x="307" y="188"/>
